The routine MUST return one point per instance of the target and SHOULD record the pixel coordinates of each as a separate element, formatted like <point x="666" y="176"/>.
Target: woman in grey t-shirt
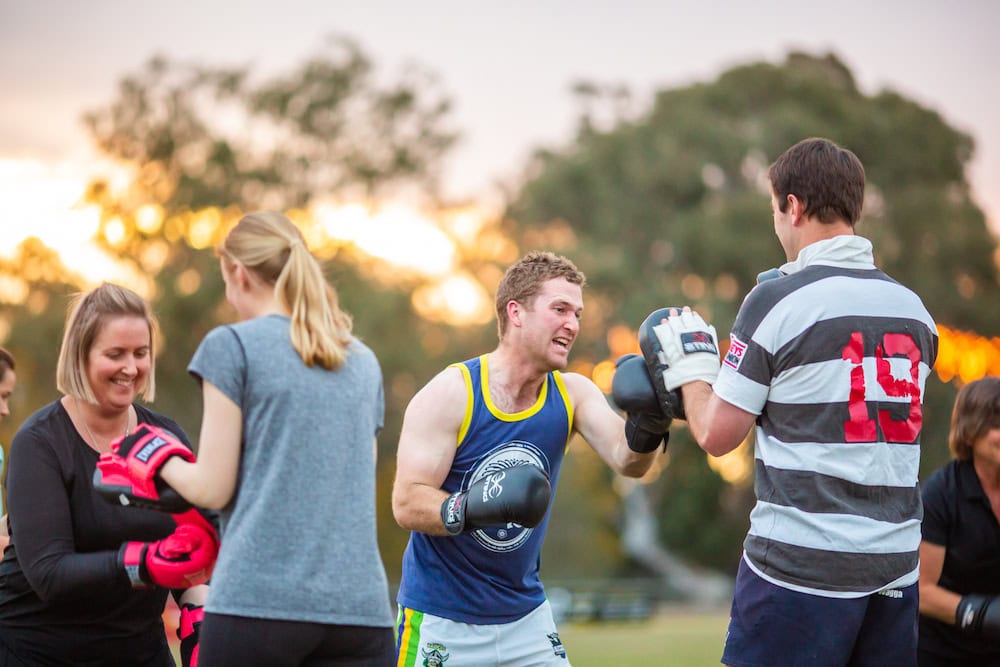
<point x="292" y="406"/>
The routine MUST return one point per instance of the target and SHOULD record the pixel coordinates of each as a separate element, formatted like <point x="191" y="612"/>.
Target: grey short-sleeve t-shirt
<point x="299" y="538"/>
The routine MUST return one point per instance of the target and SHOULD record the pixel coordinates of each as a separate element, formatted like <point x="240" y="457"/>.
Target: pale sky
<point x="507" y="66"/>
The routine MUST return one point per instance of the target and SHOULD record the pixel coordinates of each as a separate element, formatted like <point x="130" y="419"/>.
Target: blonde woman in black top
<point x="84" y="581"/>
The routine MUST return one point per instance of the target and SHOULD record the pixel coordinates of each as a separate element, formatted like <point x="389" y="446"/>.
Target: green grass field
<point x="674" y="638"/>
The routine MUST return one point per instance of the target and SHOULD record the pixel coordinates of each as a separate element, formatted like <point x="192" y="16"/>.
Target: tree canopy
<point x="671" y="207"/>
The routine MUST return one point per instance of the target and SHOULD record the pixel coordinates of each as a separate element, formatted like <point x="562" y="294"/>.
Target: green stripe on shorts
<point x="409" y="641"/>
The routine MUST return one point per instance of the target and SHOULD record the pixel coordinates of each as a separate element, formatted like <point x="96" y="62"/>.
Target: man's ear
<point x="796" y="208"/>
<point x="514" y="311"/>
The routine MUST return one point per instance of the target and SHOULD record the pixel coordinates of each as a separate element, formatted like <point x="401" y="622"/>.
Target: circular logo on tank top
<point x="502" y="457"/>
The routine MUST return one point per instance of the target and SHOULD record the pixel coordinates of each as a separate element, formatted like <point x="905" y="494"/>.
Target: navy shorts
<point x="774" y="626"/>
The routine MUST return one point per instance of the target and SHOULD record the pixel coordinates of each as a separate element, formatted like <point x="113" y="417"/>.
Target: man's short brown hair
<point x="524" y="279"/>
<point x="828" y="179"/>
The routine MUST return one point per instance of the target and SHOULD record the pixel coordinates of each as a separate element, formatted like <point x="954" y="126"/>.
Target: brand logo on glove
<point x="150" y="448"/>
<point x="493" y="488"/>
<point x="453" y="507"/>
<point x="697" y="341"/>
<point x="493" y="466"/>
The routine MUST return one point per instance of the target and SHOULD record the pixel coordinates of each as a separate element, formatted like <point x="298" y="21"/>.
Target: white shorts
<point x="432" y="641"/>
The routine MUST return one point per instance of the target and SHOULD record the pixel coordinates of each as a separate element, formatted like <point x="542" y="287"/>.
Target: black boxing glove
<point x="978" y="616"/>
<point x="632" y="391"/>
<point x="671" y="400"/>
<point x="514" y="495"/>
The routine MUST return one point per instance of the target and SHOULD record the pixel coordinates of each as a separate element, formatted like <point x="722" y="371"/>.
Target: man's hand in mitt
<point x="679" y="347"/>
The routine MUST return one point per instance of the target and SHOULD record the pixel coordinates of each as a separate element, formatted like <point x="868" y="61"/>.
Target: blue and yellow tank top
<point x="490" y="575"/>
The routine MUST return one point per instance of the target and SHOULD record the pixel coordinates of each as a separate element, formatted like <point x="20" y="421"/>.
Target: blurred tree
<point x="207" y="136"/>
<point x="205" y="144"/>
<point x="35" y="287"/>
<point x="671" y="207"/>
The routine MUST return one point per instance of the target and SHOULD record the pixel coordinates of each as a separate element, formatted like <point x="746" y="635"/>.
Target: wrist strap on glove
<point x="453" y="512"/>
<point x="640" y="437"/>
<point x="132" y="556"/>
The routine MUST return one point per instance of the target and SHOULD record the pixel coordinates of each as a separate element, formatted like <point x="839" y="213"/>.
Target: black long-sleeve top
<point x="64" y="598"/>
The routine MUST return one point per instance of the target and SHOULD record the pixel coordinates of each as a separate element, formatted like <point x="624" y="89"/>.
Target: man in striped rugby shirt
<point x="829" y="361"/>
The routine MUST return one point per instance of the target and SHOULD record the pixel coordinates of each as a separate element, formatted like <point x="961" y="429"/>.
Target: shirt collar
<point x="845" y="250"/>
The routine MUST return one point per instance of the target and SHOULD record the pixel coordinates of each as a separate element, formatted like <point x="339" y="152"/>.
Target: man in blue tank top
<point x="480" y="449"/>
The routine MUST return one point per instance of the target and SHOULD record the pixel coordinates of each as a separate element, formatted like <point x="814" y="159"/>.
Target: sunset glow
<point x="44" y="201"/>
<point x="457" y="299"/>
<point x="398" y="235"/>
<point x="965" y="356"/>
